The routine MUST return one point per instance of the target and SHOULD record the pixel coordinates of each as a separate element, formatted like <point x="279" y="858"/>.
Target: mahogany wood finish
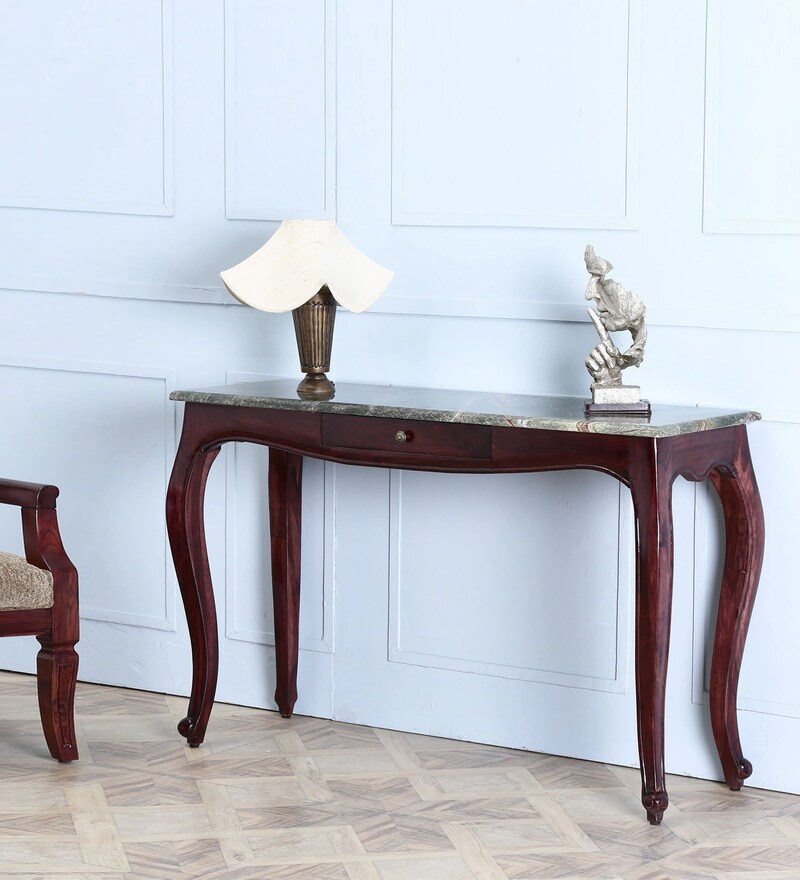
<point x="56" y="628"/>
<point x="648" y="466"/>
<point x="187" y="539"/>
<point x="651" y="488"/>
<point x="27" y="494"/>
<point x="394" y="435"/>
<point x="285" y="497"/>
<point x="744" y="527"/>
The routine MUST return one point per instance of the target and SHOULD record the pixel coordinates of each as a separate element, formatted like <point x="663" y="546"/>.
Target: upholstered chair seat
<point x="23" y="586"/>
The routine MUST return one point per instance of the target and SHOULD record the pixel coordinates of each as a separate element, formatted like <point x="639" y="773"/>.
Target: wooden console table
<point x="464" y="432"/>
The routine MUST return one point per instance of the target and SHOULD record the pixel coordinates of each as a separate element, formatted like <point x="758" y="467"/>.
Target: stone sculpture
<point x="618" y="309"/>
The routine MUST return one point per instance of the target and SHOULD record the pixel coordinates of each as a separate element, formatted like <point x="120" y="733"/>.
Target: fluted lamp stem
<point x="313" y="327"/>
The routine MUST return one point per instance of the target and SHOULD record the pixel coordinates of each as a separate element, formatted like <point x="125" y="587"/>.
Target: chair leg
<point x="57" y="673"/>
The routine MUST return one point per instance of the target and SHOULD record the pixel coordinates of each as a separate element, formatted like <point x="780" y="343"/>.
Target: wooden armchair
<point x="39" y="597"/>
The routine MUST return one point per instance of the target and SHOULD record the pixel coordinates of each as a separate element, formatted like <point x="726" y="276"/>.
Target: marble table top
<point x="468" y="407"/>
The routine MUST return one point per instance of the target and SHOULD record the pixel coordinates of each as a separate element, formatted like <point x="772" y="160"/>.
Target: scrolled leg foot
<point x="655" y="803"/>
<point x="188" y="729"/>
<point x="744" y="770"/>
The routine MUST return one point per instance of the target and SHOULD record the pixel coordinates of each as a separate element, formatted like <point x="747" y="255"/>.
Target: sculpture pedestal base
<point x="617" y="400"/>
<point x="640" y="409"/>
<point x="603" y="394"/>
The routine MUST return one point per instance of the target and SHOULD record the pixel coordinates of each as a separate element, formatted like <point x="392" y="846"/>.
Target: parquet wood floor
<point x="270" y="799"/>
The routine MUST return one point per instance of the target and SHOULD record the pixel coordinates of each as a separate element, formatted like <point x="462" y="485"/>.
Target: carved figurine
<point x="618" y="309"/>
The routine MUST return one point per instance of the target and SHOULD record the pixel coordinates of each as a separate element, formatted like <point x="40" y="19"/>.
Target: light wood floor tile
<point x="416" y="869"/>
<point x="95" y="827"/>
<point x="306" y="799"/>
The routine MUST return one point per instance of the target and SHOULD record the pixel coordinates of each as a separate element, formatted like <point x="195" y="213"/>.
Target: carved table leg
<point x="652" y="497"/>
<point x="285" y="497"/>
<point x="186" y="529"/>
<point x="744" y="552"/>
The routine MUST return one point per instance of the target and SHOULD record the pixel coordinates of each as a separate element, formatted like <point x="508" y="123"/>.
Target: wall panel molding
<point x="323" y="643"/>
<point x="750" y="143"/>
<point x="445" y="214"/>
<point x="241" y="205"/>
<point x="162" y="205"/>
<point x="624" y="591"/>
<point x="452" y="307"/>
<point x="166" y="620"/>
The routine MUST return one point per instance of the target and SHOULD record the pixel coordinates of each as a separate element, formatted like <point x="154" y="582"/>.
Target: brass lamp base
<point x="316" y="386"/>
<point x="313" y="327"/>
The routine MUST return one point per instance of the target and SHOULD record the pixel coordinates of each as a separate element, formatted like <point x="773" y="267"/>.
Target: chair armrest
<point x="33" y="495"/>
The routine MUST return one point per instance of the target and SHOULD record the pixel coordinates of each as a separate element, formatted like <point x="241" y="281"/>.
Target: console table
<point x="466" y="432"/>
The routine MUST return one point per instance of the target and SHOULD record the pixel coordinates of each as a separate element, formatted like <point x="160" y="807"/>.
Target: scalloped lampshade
<point x="308" y="267"/>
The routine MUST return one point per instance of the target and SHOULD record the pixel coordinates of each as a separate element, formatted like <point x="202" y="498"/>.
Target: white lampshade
<point x="302" y="257"/>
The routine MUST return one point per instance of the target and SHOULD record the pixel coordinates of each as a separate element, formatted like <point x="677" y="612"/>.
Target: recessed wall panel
<point x="249" y="591"/>
<point x="279" y="108"/>
<point x="517" y="576"/>
<point x="103" y="435"/>
<point x="248" y="578"/>
<point x="752" y="130"/>
<point x="515" y="113"/>
<point x="86" y="105"/>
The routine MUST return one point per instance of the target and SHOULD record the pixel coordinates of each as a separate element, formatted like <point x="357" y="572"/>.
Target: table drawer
<point x="407" y="436"/>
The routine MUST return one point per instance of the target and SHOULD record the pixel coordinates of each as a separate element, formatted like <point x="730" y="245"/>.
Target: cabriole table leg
<point x="651" y="488"/>
<point x="186" y="529"/>
<point x="744" y="551"/>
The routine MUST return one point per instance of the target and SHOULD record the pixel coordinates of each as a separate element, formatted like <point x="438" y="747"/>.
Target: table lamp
<point x="309" y="267"/>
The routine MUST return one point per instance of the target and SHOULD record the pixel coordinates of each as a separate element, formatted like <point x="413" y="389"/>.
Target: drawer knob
<point x="402" y="437"/>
